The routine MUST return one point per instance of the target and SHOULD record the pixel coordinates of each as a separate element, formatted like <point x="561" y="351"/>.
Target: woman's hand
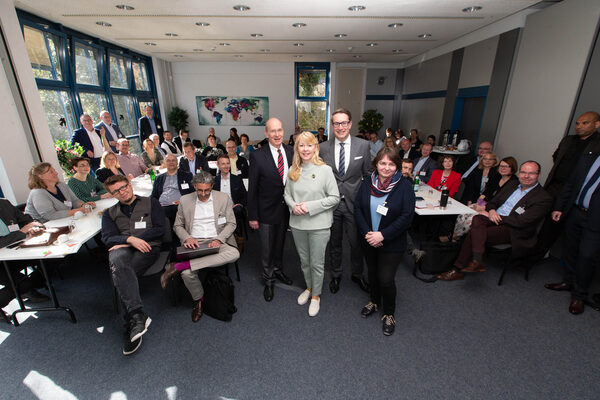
<point x="374" y="239"/>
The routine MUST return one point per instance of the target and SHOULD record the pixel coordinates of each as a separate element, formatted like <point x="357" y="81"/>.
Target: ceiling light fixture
<point x="169" y="34"/>
<point x="265" y="50"/>
<point x="424" y="35"/>
<point x="330" y="50"/>
<point x="224" y="44"/>
<point x="395" y="25"/>
<point x="103" y="23"/>
<point x="256" y="34"/>
<point x="241" y="7"/>
<point x="202" y="23"/>
<point x="356" y="56"/>
<point x="396" y="51"/>
<point x="198" y="50"/>
<point x="299" y="25"/>
<point x="340" y="35"/>
<point x="298" y="56"/>
<point x="238" y="55"/>
<point x="471" y="9"/>
<point x="150" y="44"/>
<point x="371" y="44"/>
<point x="298" y="44"/>
<point x="357" y="8"/>
<point x="125" y="7"/>
<point x="177" y="55"/>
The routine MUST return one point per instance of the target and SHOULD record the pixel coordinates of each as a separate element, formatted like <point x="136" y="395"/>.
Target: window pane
<point x="312" y="83"/>
<point x="135" y="146"/>
<point x="92" y="104"/>
<point x="59" y="113"/>
<point x="86" y="65"/>
<point x="140" y="76"/>
<point x="118" y="74"/>
<point x="311" y="114"/>
<point x="42" y="48"/>
<point x="125" y="114"/>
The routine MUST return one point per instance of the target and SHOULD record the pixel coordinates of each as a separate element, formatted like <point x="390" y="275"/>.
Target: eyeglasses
<point x="503" y="166"/>
<point x="343" y="124"/>
<point x="120" y="190"/>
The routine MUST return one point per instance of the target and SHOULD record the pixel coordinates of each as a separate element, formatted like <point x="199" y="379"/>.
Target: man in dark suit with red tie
<point x="267" y="211"/>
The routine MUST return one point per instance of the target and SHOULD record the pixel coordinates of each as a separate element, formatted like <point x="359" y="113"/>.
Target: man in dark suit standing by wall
<point x="267" y="211"/>
<point x="149" y="124"/>
<point x="579" y="206"/>
<point x="350" y="160"/>
<point x="112" y="131"/>
<point x="93" y="141"/>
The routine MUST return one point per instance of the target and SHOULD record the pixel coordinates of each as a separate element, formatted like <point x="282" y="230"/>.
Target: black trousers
<point x="24" y="283"/>
<point x="343" y="221"/>
<point x="381" y="268"/>
<point x="272" y="240"/>
<point x="581" y="252"/>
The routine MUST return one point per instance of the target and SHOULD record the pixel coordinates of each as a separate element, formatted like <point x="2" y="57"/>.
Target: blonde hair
<point x="296" y="168"/>
<point x="34" y="181"/>
<point x="480" y="165"/>
<point x="103" y="159"/>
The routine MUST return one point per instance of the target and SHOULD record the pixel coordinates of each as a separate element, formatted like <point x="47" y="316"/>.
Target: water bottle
<point x="152" y="175"/>
<point x="444" y="198"/>
<point x="445" y="140"/>
<point x="416" y="184"/>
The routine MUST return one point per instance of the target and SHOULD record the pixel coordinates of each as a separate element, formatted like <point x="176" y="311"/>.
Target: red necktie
<point x="280" y="163"/>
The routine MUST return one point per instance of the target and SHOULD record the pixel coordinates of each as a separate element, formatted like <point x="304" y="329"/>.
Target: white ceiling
<point x="151" y="19"/>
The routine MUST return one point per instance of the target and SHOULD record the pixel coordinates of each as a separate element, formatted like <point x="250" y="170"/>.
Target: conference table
<point x="428" y="203"/>
<point x="84" y="228"/>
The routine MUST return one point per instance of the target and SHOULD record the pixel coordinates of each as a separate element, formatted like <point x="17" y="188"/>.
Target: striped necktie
<point x="280" y="167"/>
<point x="583" y="200"/>
<point x="342" y="166"/>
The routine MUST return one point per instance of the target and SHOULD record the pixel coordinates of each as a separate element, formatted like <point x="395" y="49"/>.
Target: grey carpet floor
<point x="460" y="340"/>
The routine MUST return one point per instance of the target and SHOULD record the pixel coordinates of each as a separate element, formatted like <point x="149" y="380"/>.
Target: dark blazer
<point x="393" y="226"/>
<point x="265" y="188"/>
<point x="201" y="163"/>
<point x="427" y="169"/>
<point x="492" y="189"/>
<point x="358" y="168"/>
<point x="104" y="173"/>
<point x="182" y="177"/>
<point x="109" y="136"/>
<point x="146" y="130"/>
<point x="10" y="214"/>
<point x="568" y="195"/>
<point x="464" y="162"/>
<point x="179" y="144"/>
<point x="238" y="190"/>
<point x="412" y="154"/>
<point x="536" y="204"/>
<point x="473" y="184"/>
<point x="242" y="166"/>
<point x="80" y="136"/>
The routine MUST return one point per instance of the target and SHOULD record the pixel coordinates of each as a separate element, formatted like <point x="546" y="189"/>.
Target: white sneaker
<point x="303" y="298"/>
<point x="313" y="309"/>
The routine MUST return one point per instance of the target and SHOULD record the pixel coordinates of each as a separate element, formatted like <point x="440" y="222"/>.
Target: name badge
<point x="158" y="127"/>
<point x="212" y="164"/>
<point x="222" y="220"/>
<point x="140" y="225"/>
<point x="93" y="193"/>
<point x="422" y="173"/>
<point x="68" y="203"/>
<point x="520" y="210"/>
<point x="238" y="172"/>
<point x="382" y="210"/>
<point x="185" y="186"/>
<point x="357" y="157"/>
<point x="198" y="171"/>
<point x="13" y="227"/>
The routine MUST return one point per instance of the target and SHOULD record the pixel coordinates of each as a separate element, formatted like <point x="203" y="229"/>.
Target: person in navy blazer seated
<point x="93" y="141"/>
<point x="170" y="186"/>
<point x="384" y="209"/>
<point x="424" y="165"/>
<point x="267" y="210"/>
<point x="111" y="131"/>
<point x="193" y="162"/>
<point x="233" y="186"/>
<point x="578" y="204"/>
<point x="149" y="124"/>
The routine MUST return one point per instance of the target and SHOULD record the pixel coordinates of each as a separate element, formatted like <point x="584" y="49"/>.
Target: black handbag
<point x="219" y="297"/>
<point x="435" y="258"/>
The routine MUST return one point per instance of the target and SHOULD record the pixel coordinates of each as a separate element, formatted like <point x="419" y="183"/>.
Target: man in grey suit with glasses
<point x="350" y="160"/>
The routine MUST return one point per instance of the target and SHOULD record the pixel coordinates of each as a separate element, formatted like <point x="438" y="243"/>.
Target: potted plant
<point x="371" y="121"/>
<point x="65" y="152"/>
<point x="178" y="119"/>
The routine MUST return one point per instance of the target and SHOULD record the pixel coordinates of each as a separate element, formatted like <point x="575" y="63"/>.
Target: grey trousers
<point x="343" y="220"/>
<point x="311" y="245"/>
<point x="126" y="264"/>
<point x="226" y="255"/>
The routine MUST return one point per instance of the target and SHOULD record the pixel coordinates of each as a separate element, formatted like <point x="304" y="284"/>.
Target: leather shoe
<point x="474" y="266"/>
<point x="559" y="286"/>
<point x="282" y="278"/>
<point x="169" y="273"/>
<point x="334" y="285"/>
<point x="268" y="292"/>
<point x="197" y="311"/>
<point x="361" y="283"/>
<point x="452" y="275"/>
<point x="576" y="306"/>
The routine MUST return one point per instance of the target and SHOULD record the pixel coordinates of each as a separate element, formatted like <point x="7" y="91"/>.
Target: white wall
<point x="422" y="114"/>
<point x="477" y="63"/>
<point x="550" y="62"/>
<point x="373" y="87"/>
<point x="274" y="80"/>
<point x="428" y="76"/>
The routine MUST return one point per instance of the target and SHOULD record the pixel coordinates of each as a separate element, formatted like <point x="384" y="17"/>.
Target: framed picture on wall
<point x="232" y="111"/>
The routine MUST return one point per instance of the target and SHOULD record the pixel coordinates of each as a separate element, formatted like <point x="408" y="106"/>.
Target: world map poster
<point x="236" y="111"/>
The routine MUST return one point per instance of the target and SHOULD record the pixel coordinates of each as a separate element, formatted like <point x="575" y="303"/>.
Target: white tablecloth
<point x="430" y="205"/>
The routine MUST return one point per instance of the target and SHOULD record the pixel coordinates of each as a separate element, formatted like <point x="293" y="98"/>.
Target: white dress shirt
<point x="226" y="185"/>
<point x="96" y="143"/>
<point x="275" y="154"/>
<point x="336" y="153"/>
<point x="203" y="226"/>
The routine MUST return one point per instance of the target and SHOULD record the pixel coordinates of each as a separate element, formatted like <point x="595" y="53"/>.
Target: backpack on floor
<point x="219" y="297"/>
<point x="434" y="258"/>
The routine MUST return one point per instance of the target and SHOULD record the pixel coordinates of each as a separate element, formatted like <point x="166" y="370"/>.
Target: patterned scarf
<point x="380" y="189"/>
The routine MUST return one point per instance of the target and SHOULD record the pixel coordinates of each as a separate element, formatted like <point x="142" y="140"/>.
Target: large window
<point x="312" y="95"/>
<point x="76" y="74"/>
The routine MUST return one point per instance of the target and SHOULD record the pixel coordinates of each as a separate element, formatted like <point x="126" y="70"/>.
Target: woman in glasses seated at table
<point x="49" y="198"/>
<point x="383" y="210"/>
<point x="445" y="177"/>
<point x="151" y="157"/>
<point x="84" y="185"/>
<point x="110" y="166"/>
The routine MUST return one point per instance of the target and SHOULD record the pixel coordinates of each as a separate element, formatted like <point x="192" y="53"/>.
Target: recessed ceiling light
<point x="356" y="8"/>
<point x="395" y="25"/>
<point x="169" y="34"/>
<point x="150" y="44"/>
<point x="198" y="50"/>
<point x="299" y="25"/>
<point x="241" y="7"/>
<point x="471" y="9"/>
<point x="265" y="50"/>
<point x="396" y="51"/>
<point x="330" y="50"/>
<point x="125" y="7"/>
<point x="340" y="35"/>
<point x="177" y="55"/>
<point x="298" y="56"/>
<point x="424" y="35"/>
<point x="356" y="56"/>
<point x="298" y="44"/>
<point x="103" y="23"/>
<point x="256" y="34"/>
<point x="238" y="56"/>
<point x="199" y="23"/>
<point x="224" y="44"/>
<point x="371" y="44"/>
<point x="212" y="49"/>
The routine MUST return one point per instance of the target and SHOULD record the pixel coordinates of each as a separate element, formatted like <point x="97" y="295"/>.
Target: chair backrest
<point x="459" y="193"/>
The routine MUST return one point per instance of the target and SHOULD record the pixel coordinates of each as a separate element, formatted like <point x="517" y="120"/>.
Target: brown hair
<point x="390" y="153"/>
<point x="77" y="160"/>
<point x="444" y="157"/>
<point x="33" y="180"/>
<point x="512" y="163"/>
<point x="111" y="180"/>
<point x="342" y="111"/>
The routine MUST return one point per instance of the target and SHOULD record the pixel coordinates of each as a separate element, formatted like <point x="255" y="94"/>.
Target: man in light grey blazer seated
<point x="350" y="159"/>
<point x="205" y="216"/>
